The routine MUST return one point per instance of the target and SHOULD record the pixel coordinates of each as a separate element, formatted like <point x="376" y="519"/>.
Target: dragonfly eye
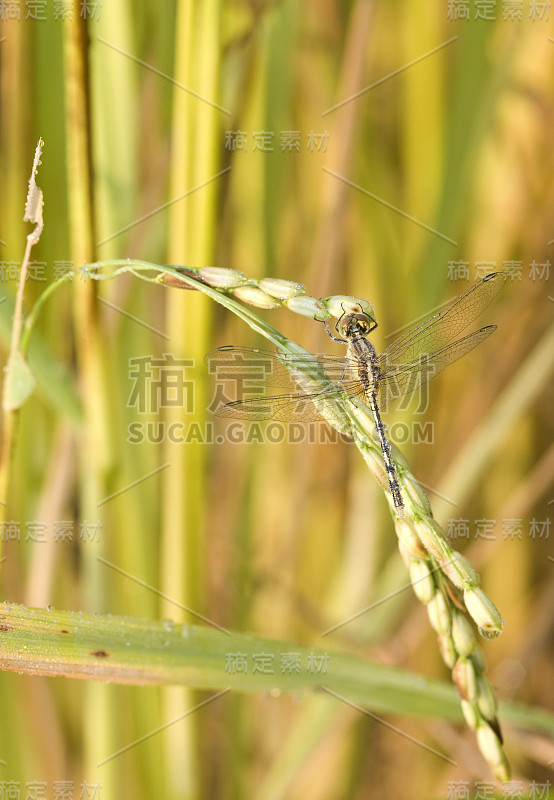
<point x="363" y="323"/>
<point x="344" y="325"/>
<point x="354" y="325"/>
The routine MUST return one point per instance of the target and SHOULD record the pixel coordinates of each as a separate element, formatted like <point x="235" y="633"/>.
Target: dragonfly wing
<point x="442" y="328"/>
<point x="309" y="380"/>
<point x="403" y="379"/>
<point x="277" y="369"/>
<point x="249" y="369"/>
<point x="286" y="408"/>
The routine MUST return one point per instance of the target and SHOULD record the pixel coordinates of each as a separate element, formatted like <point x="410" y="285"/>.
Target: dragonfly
<point x="323" y="380"/>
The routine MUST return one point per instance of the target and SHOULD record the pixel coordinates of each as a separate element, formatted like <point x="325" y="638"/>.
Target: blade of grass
<point x="137" y="651"/>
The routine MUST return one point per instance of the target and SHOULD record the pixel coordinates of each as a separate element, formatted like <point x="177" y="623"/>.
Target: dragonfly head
<point x="355" y="326"/>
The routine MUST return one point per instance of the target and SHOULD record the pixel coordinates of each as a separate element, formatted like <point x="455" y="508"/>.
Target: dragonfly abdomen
<point x="387" y="458"/>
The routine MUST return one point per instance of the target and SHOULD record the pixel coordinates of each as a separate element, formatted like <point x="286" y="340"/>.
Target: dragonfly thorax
<point x="355" y="326"/>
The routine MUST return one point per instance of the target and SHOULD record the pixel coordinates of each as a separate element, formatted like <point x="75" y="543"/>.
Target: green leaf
<point x="20" y="382"/>
<point x="137" y="651"/>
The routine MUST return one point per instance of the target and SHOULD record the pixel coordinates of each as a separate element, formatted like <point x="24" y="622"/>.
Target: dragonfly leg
<point x="332" y="335"/>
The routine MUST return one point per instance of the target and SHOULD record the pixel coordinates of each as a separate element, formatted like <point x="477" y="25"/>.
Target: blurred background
<point x="393" y="151"/>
